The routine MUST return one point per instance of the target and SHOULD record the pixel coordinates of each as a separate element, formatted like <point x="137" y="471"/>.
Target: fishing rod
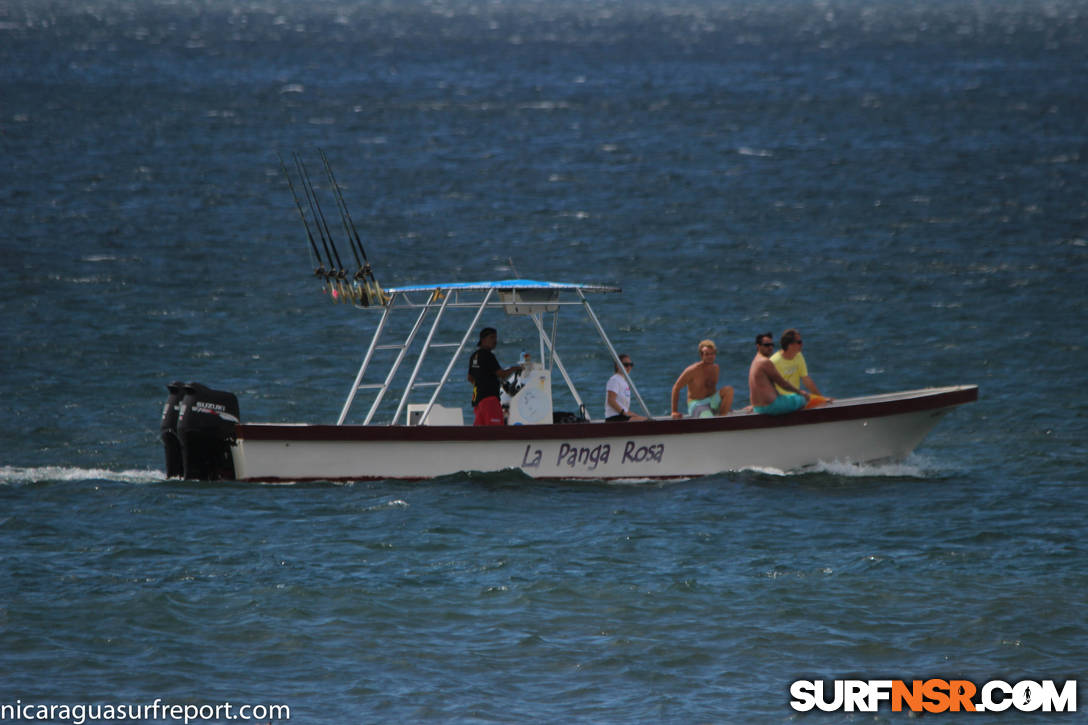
<point x="359" y="293"/>
<point x="320" y="233"/>
<point x="345" y="217"/>
<point x="320" y="271"/>
<point x="322" y="225"/>
<point x="363" y="289"/>
<point x="370" y="288"/>
<point x="340" y="272"/>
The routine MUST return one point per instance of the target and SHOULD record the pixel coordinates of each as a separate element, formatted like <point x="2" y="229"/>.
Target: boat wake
<point x="16" y="476"/>
<point x="914" y="466"/>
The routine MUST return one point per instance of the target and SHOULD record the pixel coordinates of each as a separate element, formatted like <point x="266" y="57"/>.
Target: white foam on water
<point x="768" y="471"/>
<point x="914" y="466"/>
<point x="15" y="475"/>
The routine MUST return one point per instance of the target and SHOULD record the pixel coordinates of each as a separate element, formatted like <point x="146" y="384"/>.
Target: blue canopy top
<point x="503" y="284"/>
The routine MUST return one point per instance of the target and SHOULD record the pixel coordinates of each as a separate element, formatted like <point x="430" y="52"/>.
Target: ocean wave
<point x="15" y="475"/>
<point x="914" y="466"/>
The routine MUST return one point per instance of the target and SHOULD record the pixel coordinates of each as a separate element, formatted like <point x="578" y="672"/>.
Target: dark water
<point x="906" y="184"/>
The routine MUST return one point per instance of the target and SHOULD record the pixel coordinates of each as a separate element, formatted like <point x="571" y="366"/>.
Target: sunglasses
<point x="628" y="364"/>
<point x="766" y="344"/>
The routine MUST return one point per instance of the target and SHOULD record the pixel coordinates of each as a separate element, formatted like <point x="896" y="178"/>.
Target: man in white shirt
<point x="617" y="404"/>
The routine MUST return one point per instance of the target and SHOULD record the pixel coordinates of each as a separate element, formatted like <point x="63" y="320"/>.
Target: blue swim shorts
<point x="783" y="404"/>
<point x="706" y="407"/>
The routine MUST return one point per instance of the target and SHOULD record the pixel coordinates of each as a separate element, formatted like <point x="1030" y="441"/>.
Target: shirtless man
<point x="763" y="376"/>
<point x="701" y="380"/>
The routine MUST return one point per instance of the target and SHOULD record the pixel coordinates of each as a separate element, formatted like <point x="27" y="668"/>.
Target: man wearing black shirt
<point x="484" y="373"/>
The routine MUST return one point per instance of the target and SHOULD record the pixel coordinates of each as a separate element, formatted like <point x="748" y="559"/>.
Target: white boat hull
<point x="861" y="430"/>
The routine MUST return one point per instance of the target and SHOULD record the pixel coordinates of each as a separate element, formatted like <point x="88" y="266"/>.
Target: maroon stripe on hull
<point x="357" y="479"/>
<point x="910" y="403"/>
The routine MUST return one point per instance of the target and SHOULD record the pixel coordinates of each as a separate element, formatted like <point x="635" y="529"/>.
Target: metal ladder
<point x="403" y="348"/>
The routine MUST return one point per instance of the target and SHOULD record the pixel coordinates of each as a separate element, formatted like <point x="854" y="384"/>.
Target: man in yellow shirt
<point x="790" y="362"/>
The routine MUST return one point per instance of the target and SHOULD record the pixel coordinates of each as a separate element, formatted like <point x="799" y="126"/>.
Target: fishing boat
<point x="415" y="425"/>
<point x="424" y="439"/>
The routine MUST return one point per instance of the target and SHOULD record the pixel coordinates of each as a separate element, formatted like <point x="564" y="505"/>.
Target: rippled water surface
<point x="904" y="184"/>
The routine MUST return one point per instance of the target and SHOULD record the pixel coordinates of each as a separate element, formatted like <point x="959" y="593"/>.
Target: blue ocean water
<point x="904" y="183"/>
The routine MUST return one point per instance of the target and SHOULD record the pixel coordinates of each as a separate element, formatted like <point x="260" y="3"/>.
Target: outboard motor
<point x="206" y="420"/>
<point x="169" y="431"/>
